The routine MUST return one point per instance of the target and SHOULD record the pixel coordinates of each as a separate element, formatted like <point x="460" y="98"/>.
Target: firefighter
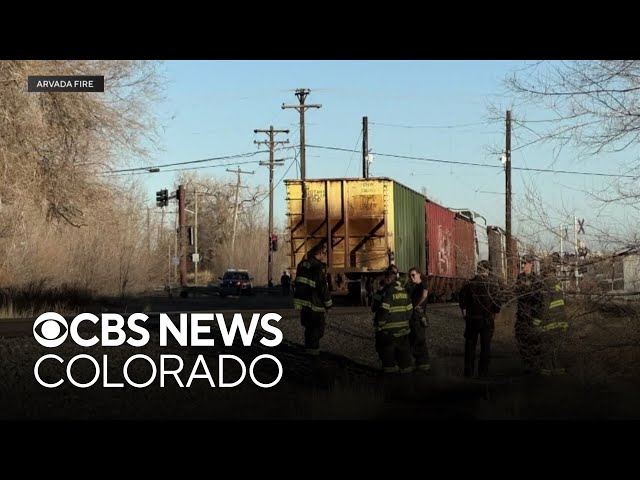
<point x="311" y="297"/>
<point x="552" y="323"/>
<point x="391" y="323"/>
<point x="419" y="292"/>
<point x="540" y="321"/>
<point x="528" y="291"/>
<point x="480" y="302"/>
<point x="376" y="299"/>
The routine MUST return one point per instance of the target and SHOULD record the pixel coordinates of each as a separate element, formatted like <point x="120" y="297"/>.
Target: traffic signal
<point x="162" y="198"/>
<point x="274" y="243"/>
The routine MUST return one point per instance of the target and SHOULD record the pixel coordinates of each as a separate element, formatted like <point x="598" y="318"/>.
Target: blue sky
<point x="430" y="109"/>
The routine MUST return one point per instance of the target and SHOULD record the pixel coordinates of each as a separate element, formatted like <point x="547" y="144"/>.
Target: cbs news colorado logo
<point x="51" y="330"/>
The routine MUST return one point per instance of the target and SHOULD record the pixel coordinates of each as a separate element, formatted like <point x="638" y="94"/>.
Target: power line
<point x="431" y="126"/>
<point x="191" y="168"/>
<point x="279" y="181"/>
<point x="226" y="157"/>
<point x="471" y="164"/>
<point x="351" y="158"/>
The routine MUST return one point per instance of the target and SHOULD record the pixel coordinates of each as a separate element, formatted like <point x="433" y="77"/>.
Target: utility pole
<point x="365" y="147"/>
<point x="195" y="240"/>
<point x="175" y="246"/>
<point x="302" y="93"/>
<point x="182" y="201"/>
<point x="161" y="229"/>
<point x="507" y="167"/>
<point x="272" y="163"/>
<point x="235" y="208"/>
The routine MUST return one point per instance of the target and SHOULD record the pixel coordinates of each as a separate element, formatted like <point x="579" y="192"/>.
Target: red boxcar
<point x="441" y="260"/>
<point x="440" y="234"/>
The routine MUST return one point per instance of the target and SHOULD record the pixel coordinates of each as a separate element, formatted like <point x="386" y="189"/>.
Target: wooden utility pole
<point x="302" y="93"/>
<point x="365" y="147"/>
<point x="235" y="209"/>
<point x="507" y="167"/>
<point x="271" y="164"/>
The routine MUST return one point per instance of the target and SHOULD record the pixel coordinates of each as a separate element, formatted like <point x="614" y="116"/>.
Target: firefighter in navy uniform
<point x="391" y="323"/>
<point x="311" y="297"/>
<point x="480" y="300"/>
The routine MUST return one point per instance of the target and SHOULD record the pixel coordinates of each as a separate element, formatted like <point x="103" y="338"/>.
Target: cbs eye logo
<point x="53" y="329"/>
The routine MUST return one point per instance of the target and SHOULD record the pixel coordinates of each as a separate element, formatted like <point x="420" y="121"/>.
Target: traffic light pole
<point x="182" y="216"/>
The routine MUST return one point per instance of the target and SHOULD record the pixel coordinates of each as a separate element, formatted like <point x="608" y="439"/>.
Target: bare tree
<point x="54" y="146"/>
<point x="593" y="106"/>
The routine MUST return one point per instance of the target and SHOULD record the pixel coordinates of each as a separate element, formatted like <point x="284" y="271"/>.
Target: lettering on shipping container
<point x="368" y="187"/>
<point x="315" y="195"/>
<point x="368" y="202"/>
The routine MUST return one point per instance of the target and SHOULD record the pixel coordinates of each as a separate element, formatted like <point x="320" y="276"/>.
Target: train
<point x="371" y="223"/>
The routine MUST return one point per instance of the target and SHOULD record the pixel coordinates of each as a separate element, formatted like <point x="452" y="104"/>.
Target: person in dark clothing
<point x="540" y="320"/>
<point x="311" y="297"/>
<point x="418" y="337"/>
<point x="528" y="291"/>
<point x="391" y="323"/>
<point x="376" y="298"/>
<point x="480" y="301"/>
<point x="285" y="281"/>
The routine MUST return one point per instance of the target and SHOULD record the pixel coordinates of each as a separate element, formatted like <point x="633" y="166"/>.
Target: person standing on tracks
<point x="285" y="281"/>
<point x="418" y="337"/>
<point x="480" y="301"/>
<point x="391" y="323"/>
<point x="311" y="297"/>
<point x="541" y="319"/>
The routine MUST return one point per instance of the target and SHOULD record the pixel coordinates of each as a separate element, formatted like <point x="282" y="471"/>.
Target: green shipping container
<point x="409" y="228"/>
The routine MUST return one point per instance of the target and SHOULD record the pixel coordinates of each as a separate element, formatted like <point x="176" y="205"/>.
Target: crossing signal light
<point x="162" y="198"/>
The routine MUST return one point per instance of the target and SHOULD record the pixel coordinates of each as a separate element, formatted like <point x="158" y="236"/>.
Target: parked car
<point x="235" y="282"/>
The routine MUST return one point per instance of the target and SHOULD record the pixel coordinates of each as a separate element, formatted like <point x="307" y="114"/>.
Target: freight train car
<point x="465" y="247"/>
<point x="369" y="224"/>
<point x="498" y="252"/>
<point x="480" y="232"/>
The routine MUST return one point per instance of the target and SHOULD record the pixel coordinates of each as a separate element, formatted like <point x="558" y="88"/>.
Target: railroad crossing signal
<point x="581" y="226"/>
